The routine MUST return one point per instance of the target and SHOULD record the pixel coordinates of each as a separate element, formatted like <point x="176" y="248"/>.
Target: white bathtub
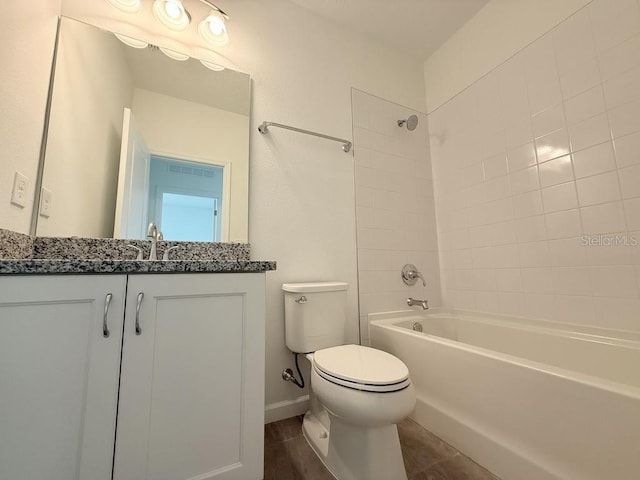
<point x="529" y="400"/>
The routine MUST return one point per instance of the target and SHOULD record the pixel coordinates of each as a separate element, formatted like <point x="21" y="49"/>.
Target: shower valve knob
<point x="410" y="275"/>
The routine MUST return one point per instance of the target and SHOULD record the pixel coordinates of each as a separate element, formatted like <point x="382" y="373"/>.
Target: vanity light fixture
<point x="173" y="15"/>
<point x="129" y="6"/>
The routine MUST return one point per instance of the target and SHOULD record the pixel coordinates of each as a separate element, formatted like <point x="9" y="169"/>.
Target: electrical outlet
<point x="45" y="202"/>
<point x="20" y="189"/>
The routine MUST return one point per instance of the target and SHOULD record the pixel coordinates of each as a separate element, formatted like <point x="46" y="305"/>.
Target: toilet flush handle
<point x="302" y="300"/>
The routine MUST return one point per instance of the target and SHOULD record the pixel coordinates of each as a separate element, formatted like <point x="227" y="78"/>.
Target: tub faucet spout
<point x="414" y="301"/>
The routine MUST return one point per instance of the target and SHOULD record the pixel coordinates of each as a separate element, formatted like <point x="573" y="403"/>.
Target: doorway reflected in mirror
<point x="186" y="199"/>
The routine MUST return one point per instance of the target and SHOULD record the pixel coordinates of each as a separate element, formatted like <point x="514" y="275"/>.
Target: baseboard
<point x="286" y="409"/>
<point x="500" y="459"/>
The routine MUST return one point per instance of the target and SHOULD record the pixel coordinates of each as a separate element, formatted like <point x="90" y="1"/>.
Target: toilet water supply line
<point x="287" y="375"/>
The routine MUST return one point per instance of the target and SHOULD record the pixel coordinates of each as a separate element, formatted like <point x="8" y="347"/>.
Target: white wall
<point x="495" y="33"/>
<point x="188" y="131"/>
<point x="537" y="175"/>
<point x="27" y="31"/>
<point x="395" y="207"/>
<point x="83" y="145"/>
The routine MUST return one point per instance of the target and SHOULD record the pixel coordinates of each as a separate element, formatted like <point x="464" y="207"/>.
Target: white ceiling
<point x="417" y="27"/>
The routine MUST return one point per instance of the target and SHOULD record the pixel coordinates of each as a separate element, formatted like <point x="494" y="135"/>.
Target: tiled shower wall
<point x="395" y="207"/>
<point x="537" y="177"/>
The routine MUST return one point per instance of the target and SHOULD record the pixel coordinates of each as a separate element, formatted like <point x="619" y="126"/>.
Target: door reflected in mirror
<point x="118" y="117"/>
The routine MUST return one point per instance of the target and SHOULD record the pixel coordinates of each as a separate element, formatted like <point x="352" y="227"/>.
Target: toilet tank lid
<point x="311" y="287"/>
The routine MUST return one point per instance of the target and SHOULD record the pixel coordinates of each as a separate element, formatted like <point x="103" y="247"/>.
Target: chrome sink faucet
<point x="155" y="235"/>
<point x="414" y="301"/>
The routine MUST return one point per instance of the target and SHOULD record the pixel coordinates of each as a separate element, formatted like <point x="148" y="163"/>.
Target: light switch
<point x="20" y="188"/>
<point x="45" y="202"/>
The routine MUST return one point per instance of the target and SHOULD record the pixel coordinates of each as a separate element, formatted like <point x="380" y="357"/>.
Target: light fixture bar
<point x="215" y="7"/>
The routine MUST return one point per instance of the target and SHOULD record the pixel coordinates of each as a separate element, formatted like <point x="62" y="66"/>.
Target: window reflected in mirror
<point x="186" y="199"/>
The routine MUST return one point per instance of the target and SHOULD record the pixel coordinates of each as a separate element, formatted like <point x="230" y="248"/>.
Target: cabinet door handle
<point x="105" y="327"/>
<point x="138" y="329"/>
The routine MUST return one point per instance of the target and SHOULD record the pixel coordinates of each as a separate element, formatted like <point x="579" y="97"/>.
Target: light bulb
<point x="214" y="30"/>
<point x="172" y="14"/>
<point x="172" y="9"/>
<point x="216" y="26"/>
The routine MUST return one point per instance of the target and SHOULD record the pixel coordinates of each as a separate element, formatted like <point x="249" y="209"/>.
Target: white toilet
<point x="357" y="393"/>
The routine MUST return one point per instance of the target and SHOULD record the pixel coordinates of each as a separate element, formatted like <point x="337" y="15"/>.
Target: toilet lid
<point x="361" y="367"/>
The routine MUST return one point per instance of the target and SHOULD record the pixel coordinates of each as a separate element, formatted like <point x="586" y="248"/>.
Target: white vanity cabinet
<point x="192" y="382"/>
<point x="191" y="377"/>
<point x="59" y="375"/>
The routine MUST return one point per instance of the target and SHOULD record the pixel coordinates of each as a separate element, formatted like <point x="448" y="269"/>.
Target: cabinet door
<point x="59" y="376"/>
<point x="192" y="382"/>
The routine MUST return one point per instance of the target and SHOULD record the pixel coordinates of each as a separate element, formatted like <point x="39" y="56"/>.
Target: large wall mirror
<point x="136" y="137"/>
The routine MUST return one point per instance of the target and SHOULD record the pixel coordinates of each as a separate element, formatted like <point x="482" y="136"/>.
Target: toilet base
<point x="353" y="452"/>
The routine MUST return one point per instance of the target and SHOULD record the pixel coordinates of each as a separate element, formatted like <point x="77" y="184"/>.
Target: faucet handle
<point x="410" y="275"/>
<point x="139" y="257"/>
<point x="165" y="255"/>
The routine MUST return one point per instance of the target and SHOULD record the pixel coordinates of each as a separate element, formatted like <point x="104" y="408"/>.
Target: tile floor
<point x="426" y="457"/>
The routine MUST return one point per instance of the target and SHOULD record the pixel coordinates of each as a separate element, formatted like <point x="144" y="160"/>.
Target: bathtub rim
<point x="389" y="321"/>
<point x="582" y="331"/>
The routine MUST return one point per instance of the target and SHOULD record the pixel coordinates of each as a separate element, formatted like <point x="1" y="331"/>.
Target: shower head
<point x="411" y="123"/>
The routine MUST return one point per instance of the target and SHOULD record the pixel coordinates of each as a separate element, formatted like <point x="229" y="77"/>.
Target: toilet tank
<point x="315" y="315"/>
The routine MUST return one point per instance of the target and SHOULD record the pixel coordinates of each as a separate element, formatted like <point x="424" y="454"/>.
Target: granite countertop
<point x="84" y="266"/>
<point x="22" y="254"/>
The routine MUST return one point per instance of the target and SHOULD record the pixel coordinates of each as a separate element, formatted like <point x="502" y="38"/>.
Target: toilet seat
<point x="361" y="368"/>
